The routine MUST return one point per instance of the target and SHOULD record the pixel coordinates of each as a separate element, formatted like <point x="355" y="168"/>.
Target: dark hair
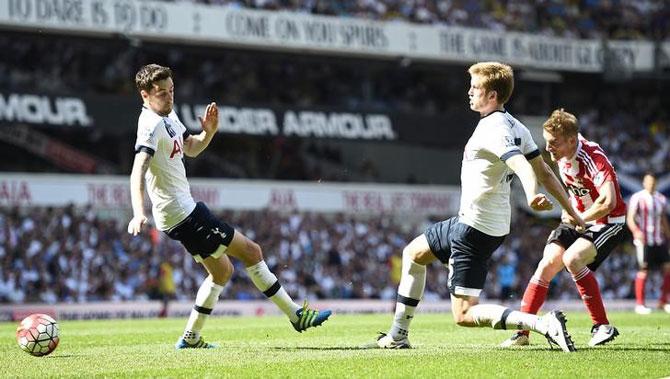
<point x="147" y="75"/>
<point x="649" y="173"/>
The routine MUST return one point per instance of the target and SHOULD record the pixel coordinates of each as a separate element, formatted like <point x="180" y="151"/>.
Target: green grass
<point x="269" y="347"/>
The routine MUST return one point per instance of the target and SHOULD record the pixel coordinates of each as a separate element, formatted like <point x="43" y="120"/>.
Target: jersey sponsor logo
<point x="577" y="191"/>
<point x="509" y="141"/>
<point x="176" y="148"/>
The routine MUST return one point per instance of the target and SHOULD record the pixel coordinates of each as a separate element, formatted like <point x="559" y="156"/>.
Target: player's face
<point x="559" y="146"/>
<point x="649" y="183"/>
<point x="480" y="100"/>
<point x="161" y="97"/>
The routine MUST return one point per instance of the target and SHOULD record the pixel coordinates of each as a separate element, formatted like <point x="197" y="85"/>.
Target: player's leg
<point x="415" y="257"/>
<point x="581" y="259"/>
<point x="664" y="300"/>
<point x="251" y="255"/>
<point x="424" y="249"/>
<point x="470" y="251"/>
<point x="536" y="291"/>
<point x="205" y="239"/>
<point x="467" y="312"/>
<point x="641" y="279"/>
<point x="220" y="270"/>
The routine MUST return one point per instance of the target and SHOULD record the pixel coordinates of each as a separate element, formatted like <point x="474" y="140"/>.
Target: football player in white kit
<point x="499" y="147"/>
<point x="162" y="141"/>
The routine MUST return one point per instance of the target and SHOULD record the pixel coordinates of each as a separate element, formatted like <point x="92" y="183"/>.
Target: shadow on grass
<point x="317" y="348"/>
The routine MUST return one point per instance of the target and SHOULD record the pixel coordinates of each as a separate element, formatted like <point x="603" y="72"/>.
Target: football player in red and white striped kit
<point x="648" y="222"/>
<point x="595" y="193"/>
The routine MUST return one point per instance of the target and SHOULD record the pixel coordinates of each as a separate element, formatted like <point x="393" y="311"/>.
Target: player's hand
<point x="210" y="121"/>
<point x="574" y="220"/>
<point x="639" y="236"/>
<point x="135" y="225"/>
<point x="540" y="202"/>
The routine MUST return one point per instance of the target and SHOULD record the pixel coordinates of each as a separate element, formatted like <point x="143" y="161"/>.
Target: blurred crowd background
<point x="71" y="255"/>
<point x="74" y="255"/>
<point x="618" y="19"/>
<point x="630" y="119"/>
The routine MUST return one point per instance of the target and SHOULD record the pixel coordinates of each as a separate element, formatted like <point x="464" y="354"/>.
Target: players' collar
<point x="488" y="114"/>
<point x="578" y="149"/>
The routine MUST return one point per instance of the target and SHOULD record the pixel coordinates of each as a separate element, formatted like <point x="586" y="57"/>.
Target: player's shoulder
<point x="148" y="119"/>
<point x="592" y="151"/>
<point x="500" y="120"/>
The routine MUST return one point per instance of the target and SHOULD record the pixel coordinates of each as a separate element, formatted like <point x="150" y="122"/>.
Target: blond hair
<point x="495" y="76"/>
<point x="562" y="123"/>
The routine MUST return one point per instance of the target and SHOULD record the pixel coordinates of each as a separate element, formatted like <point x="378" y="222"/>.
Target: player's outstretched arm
<point x="604" y="204"/>
<point x="195" y="144"/>
<point x="523" y="169"/>
<point x="549" y="180"/>
<point x="140" y="167"/>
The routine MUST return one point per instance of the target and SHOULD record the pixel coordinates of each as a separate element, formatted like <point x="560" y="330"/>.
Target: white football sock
<point x="499" y="317"/>
<point x="208" y="295"/>
<point x="410" y="292"/>
<point x="267" y="283"/>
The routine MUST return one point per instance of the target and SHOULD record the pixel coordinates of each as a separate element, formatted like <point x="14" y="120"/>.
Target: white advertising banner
<point x="112" y="192"/>
<point x="280" y="30"/>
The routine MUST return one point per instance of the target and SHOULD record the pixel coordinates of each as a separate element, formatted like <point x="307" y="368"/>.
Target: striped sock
<point x="410" y="291"/>
<point x="267" y="283"/>
<point x="208" y="295"/>
<point x="588" y="288"/>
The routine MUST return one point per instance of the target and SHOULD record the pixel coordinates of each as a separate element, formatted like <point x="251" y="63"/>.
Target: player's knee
<point x="254" y="252"/>
<point x="223" y="275"/>
<point x="572" y="262"/>
<point x="413" y="255"/>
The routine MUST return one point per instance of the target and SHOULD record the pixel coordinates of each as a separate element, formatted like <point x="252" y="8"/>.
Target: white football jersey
<point x="169" y="191"/>
<point x="485" y="178"/>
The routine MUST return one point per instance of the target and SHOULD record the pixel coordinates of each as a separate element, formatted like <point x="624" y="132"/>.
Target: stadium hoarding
<point x="113" y="192"/>
<point x="118" y="114"/>
<point x="300" y="32"/>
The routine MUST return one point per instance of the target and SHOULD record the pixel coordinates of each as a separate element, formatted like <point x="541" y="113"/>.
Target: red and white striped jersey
<point x="649" y="208"/>
<point x="584" y="174"/>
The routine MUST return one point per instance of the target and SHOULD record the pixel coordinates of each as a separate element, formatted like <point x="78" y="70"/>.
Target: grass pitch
<point x="264" y="347"/>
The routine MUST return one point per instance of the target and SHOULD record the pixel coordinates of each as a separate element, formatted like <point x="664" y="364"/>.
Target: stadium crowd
<point x="72" y="255"/>
<point x="639" y="119"/>
<point x="621" y="19"/>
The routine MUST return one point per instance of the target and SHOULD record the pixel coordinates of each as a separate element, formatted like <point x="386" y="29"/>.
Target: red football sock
<point x="640" y="281"/>
<point x="588" y="288"/>
<point x="534" y="297"/>
<point x="665" y="290"/>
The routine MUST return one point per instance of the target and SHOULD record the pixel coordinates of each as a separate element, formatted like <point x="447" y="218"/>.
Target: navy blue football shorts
<point x="202" y="234"/>
<point x="466" y="250"/>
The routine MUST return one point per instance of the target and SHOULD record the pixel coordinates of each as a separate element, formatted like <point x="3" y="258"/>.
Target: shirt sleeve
<point x="528" y="146"/>
<point x="501" y="141"/>
<point x="147" y="138"/>
<point x="604" y="171"/>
